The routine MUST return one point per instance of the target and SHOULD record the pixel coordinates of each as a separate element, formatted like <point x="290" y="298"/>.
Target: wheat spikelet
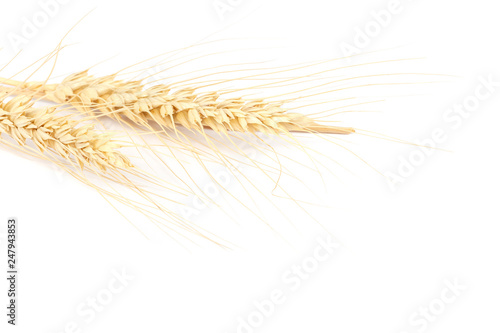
<point x="21" y="121"/>
<point x="170" y="108"/>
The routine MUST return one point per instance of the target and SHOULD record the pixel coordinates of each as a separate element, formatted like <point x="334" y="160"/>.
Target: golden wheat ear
<point x="169" y="108"/>
<point x="21" y="121"/>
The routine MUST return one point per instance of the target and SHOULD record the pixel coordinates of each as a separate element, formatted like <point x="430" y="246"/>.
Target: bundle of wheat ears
<point x="162" y="110"/>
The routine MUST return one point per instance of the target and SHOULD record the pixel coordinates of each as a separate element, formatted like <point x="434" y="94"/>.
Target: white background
<point x="400" y="245"/>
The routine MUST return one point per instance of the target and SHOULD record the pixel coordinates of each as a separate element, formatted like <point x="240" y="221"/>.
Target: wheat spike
<point x="170" y="108"/>
<point x="21" y="121"/>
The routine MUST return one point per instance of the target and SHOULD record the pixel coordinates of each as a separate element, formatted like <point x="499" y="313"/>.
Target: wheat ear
<point x="21" y="121"/>
<point x="171" y="108"/>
